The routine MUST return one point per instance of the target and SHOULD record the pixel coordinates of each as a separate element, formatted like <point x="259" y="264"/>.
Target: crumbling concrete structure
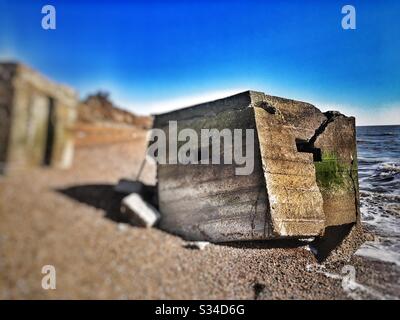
<point x="304" y="178"/>
<point x="36" y="119"/>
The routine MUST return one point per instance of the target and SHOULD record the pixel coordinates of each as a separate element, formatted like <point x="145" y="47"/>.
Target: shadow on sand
<point x="100" y="196"/>
<point x="103" y="197"/>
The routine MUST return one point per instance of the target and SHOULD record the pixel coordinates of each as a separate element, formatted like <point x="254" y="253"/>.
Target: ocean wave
<point x="386" y="172"/>
<point x="390" y="167"/>
<point x="362" y="160"/>
<point x="380" y="134"/>
<point x="379" y="177"/>
<point x="380" y="213"/>
<point x="355" y="290"/>
<point x="381" y="197"/>
<point x="377" y="251"/>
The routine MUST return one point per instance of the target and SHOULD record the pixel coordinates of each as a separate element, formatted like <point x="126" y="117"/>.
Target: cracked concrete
<point x="304" y="177"/>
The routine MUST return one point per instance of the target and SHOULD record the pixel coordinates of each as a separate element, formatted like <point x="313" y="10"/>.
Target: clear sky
<point x="157" y="55"/>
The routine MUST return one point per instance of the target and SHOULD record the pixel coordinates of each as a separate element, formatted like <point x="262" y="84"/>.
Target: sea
<point x="378" y="150"/>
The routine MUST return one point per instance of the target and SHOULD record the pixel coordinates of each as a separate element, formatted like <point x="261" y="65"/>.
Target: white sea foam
<point x="380" y="214"/>
<point x="351" y="287"/>
<point x="377" y="251"/>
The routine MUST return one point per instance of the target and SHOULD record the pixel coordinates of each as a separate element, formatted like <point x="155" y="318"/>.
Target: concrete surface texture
<point x="304" y="177"/>
<point x="37" y="118"/>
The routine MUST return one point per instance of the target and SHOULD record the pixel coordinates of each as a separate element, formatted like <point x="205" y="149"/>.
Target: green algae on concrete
<point x="331" y="173"/>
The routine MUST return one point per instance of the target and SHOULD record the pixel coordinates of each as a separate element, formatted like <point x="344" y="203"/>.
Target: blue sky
<point x="157" y="55"/>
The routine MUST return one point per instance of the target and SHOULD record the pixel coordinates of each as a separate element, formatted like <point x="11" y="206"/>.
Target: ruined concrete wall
<point x="304" y="178"/>
<point x="337" y="173"/>
<point x="63" y="148"/>
<point x="6" y="97"/>
<point x="210" y="202"/>
<point x="314" y="155"/>
<point x="296" y="204"/>
<point x="28" y="125"/>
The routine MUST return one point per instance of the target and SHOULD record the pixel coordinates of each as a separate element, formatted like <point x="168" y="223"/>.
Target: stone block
<point x="138" y="211"/>
<point x="304" y="177"/>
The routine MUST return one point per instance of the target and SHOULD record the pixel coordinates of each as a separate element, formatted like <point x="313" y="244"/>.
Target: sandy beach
<point x="70" y="219"/>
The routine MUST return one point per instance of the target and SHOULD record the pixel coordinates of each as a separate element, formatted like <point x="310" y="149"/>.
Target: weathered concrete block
<point x="138" y="211"/>
<point x="36" y="119"/>
<point x="304" y="177"/>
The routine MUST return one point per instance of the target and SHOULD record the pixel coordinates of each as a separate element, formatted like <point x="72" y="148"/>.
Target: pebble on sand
<point x="200" y="245"/>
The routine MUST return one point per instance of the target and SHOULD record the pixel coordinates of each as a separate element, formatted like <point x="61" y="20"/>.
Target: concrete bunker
<point x="304" y="179"/>
<point x="37" y="118"/>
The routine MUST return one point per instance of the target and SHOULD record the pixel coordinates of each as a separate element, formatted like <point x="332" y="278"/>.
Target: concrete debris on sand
<point x="143" y="263"/>
<point x="298" y="148"/>
<point x="122" y="227"/>
<point x="304" y="178"/>
<point x="200" y="245"/>
<point x="138" y="211"/>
